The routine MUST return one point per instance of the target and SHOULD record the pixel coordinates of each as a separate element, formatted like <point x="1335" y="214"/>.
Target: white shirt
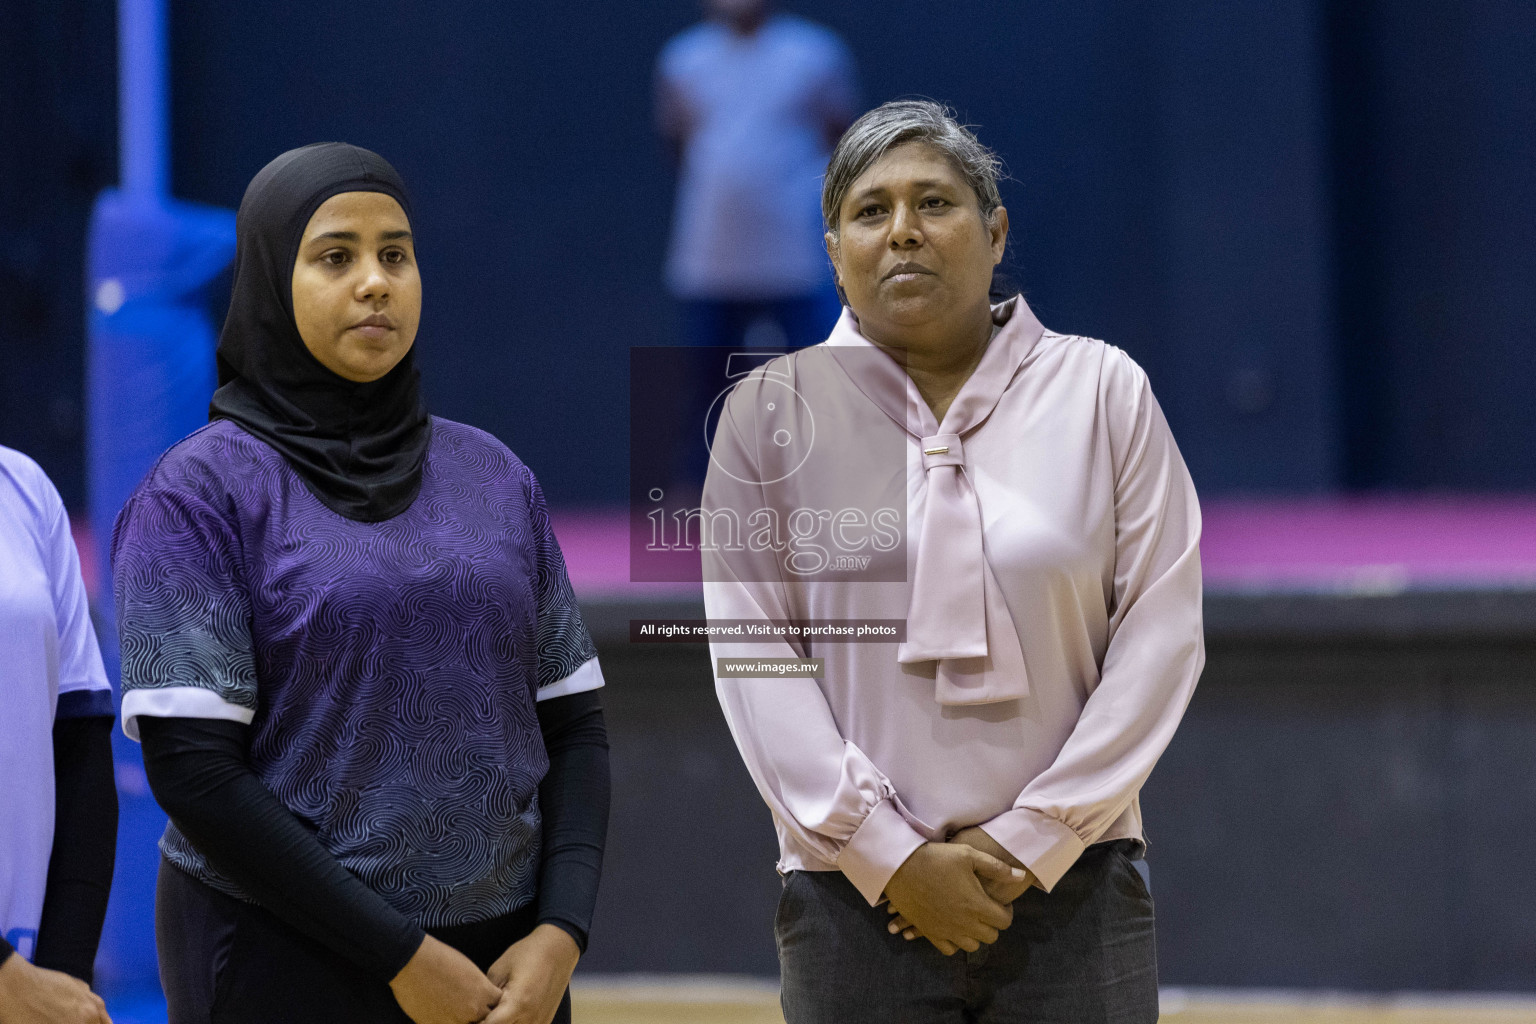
<point x="48" y="651"/>
<point x="753" y="112"/>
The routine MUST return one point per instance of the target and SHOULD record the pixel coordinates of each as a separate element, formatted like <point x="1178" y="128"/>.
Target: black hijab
<point x="359" y="448"/>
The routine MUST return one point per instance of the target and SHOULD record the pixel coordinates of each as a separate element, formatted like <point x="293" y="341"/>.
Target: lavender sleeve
<point x="183" y="610"/>
<point x="567" y="658"/>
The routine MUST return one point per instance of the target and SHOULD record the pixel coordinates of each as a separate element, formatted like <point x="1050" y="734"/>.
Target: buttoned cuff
<point x="881" y="845"/>
<point x="1041" y="843"/>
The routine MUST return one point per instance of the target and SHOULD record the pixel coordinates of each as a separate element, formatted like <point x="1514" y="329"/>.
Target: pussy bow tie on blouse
<point x="956" y="616"/>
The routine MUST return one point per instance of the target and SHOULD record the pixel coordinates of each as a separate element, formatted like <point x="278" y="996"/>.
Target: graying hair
<point x="891" y="124"/>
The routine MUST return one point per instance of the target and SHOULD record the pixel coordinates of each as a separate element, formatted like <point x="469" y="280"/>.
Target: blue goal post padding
<point x="151" y="339"/>
<point x="149" y="375"/>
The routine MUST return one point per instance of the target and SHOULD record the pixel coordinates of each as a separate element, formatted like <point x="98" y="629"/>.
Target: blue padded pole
<point x="143" y="128"/>
<point x="150" y="369"/>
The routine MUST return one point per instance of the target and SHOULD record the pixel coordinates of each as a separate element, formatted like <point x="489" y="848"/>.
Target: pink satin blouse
<point x="1051" y="594"/>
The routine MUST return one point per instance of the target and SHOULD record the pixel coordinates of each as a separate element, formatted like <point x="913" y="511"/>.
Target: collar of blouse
<point x="956" y="616"/>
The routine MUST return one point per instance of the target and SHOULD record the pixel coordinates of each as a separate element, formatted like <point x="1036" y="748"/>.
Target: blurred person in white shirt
<point x="752" y="100"/>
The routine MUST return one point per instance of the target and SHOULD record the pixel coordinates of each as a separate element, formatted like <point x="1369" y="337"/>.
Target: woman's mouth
<point x="374" y="327"/>
<point x="902" y="273"/>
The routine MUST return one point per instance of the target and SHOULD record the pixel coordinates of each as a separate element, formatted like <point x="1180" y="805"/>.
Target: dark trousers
<point x="223" y="961"/>
<point x="1082" y="954"/>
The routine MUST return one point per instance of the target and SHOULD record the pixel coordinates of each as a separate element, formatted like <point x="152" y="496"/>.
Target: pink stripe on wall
<point x="1363" y="544"/>
<point x="1374" y="544"/>
<point x="1371" y="543"/>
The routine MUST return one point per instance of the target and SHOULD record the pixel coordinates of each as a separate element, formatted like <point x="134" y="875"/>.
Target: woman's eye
<point x="869" y="211"/>
<point x="394" y="256"/>
<point x="934" y="202"/>
<point x="336" y="257"/>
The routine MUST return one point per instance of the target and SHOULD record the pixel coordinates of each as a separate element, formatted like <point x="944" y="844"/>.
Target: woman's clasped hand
<point x="440" y="985"/>
<point x="533" y="975"/>
<point x="958" y="895"/>
<point x="36" y="995"/>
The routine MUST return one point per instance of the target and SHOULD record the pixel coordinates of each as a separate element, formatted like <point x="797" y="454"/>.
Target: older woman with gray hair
<point x="956" y="807"/>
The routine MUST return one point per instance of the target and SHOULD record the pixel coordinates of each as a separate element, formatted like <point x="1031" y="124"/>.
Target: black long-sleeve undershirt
<point x="574" y="801"/>
<point x="84" y="846"/>
<point x="199" y="772"/>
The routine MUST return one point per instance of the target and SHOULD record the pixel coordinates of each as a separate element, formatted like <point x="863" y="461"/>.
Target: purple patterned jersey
<point x="388" y="670"/>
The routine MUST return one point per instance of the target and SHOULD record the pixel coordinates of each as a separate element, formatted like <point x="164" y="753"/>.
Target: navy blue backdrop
<point x="1309" y="219"/>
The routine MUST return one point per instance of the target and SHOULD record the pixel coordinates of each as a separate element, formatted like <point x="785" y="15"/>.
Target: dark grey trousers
<point x="1082" y="954"/>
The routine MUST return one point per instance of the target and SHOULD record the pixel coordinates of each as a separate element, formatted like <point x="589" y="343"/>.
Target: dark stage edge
<point x="1347" y="805"/>
<point x="1412" y="615"/>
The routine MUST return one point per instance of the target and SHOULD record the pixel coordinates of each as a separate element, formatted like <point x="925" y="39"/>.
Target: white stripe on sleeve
<point x="587" y="677"/>
<point x="179" y="702"/>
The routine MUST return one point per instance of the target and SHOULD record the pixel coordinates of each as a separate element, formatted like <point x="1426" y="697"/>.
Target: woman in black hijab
<point x="358" y="442"/>
<point x="366" y="696"/>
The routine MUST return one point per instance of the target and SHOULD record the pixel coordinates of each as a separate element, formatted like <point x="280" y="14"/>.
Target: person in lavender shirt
<point x="58" y="802"/>
<point x="959" y="828"/>
<point x="366" y="698"/>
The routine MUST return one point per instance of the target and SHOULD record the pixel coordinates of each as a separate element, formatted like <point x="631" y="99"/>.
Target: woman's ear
<point x="830" y="240"/>
<point x="997" y="227"/>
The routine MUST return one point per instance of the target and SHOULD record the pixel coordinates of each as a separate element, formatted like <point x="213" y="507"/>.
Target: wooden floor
<point x="717" y="1001"/>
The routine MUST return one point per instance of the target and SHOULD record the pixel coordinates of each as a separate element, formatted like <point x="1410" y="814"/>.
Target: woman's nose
<point x="905" y="231"/>
<point x="375" y="283"/>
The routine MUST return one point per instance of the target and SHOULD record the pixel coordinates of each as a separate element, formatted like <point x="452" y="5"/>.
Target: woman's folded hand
<point x="1002" y="889"/>
<point x="534" y="974"/>
<point x="1008" y="889"/>
<point x="940" y="892"/>
<point x="35" y="995"/>
<point x="440" y="985"/>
